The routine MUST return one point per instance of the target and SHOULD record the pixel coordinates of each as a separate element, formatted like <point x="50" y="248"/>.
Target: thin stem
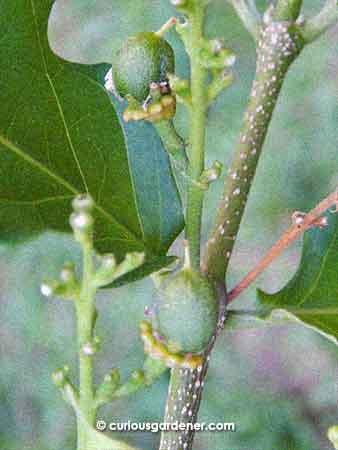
<point x="291" y="234"/>
<point x="197" y="137"/>
<point x="278" y="46"/>
<point x="175" y="147"/>
<point x="327" y="17"/>
<point x="85" y="308"/>
<point x="249" y="15"/>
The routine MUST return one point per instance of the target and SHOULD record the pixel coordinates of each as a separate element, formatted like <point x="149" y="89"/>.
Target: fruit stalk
<point x="173" y="144"/>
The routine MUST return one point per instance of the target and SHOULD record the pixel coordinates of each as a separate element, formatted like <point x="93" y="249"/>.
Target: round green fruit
<point x="188" y="311"/>
<point x="143" y="59"/>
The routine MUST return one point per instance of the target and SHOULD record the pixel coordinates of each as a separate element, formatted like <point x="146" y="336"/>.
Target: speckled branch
<point x="183" y="401"/>
<point x="278" y="45"/>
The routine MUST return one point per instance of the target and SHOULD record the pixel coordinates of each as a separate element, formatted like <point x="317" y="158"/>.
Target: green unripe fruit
<point x="188" y="311"/>
<point x="143" y="59"/>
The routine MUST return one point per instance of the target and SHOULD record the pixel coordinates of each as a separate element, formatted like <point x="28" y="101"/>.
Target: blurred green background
<point x="279" y="385"/>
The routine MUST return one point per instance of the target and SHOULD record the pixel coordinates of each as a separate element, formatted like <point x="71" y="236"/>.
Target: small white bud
<point x="83" y="202"/>
<point x="46" y="290"/>
<point x="178" y="2"/>
<point x="67" y="273"/>
<point x="108" y="261"/>
<point x="81" y="221"/>
<point x="213" y="176"/>
<point x="217" y="46"/>
<point x="298" y="218"/>
<point x="108" y="379"/>
<point x="230" y="60"/>
<point x="58" y="376"/>
<point x="88" y="349"/>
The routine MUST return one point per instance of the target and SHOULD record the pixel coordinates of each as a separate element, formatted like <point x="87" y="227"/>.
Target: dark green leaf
<point x="312" y="295"/>
<point x="60" y="135"/>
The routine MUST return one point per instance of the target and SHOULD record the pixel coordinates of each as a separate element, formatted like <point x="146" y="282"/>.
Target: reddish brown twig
<point x="300" y="224"/>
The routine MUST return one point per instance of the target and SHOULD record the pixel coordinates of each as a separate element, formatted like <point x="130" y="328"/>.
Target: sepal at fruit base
<point x="154" y="111"/>
<point x="160" y="351"/>
<point x="160" y="108"/>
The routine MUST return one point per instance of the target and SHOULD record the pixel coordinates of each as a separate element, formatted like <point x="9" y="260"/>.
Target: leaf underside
<point x="60" y="136"/>
<point x="312" y="294"/>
